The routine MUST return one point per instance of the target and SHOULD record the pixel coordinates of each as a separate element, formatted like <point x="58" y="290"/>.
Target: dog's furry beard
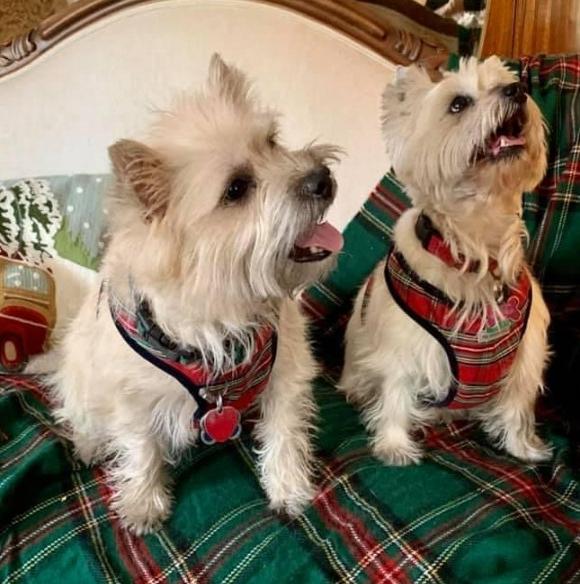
<point x="451" y="145"/>
<point x="216" y="225"/>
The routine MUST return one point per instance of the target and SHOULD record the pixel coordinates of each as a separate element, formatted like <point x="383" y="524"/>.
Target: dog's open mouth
<point x="317" y="243"/>
<point x="507" y="140"/>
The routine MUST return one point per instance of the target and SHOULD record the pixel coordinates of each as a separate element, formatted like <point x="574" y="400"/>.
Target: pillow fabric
<point x="54" y="216"/>
<point x="51" y="228"/>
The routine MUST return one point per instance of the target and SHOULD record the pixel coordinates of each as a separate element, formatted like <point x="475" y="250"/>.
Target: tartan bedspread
<point x="467" y="514"/>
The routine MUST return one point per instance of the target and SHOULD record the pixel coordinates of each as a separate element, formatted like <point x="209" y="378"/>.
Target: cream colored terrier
<point x="453" y="319"/>
<point x="215" y="227"/>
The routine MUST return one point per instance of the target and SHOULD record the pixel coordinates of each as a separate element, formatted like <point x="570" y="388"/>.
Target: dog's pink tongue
<point x="505" y="142"/>
<point x="324" y="236"/>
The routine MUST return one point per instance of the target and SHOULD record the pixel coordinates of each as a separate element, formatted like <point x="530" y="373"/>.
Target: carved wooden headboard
<point x="90" y="75"/>
<point x="399" y="30"/>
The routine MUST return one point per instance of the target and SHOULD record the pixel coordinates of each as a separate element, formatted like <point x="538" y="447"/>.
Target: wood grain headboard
<point x="399" y="30"/>
<point x="91" y="75"/>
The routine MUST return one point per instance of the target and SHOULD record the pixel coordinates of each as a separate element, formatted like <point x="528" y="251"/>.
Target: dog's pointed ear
<point x="408" y="81"/>
<point x="142" y="170"/>
<point x="400" y="105"/>
<point x="227" y="81"/>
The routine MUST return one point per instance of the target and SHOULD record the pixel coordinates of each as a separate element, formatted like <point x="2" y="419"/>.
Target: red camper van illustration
<point x="27" y="312"/>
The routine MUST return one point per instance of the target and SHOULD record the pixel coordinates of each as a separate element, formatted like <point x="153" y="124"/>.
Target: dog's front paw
<point x="529" y="448"/>
<point x="291" y="499"/>
<point x="144" y="514"/>
<point x="397" y="450"/>
<point x="286" y="477"/>
<point x="287" y="483"/>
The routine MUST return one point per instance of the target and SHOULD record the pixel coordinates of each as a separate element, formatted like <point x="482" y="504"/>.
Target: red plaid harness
<point x="480" y="351"/>
<point x="220" y="398"/>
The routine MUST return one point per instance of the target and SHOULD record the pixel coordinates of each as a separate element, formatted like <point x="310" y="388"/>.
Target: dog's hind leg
<point x="287" y="414"/>
<point x="512" y="421"/>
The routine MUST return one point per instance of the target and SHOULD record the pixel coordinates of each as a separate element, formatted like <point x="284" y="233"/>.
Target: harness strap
<point x="425" y="324"/>
<point x="170" y="364"/>
<point x="192" y="388"/>
<point x="480" y="351"/>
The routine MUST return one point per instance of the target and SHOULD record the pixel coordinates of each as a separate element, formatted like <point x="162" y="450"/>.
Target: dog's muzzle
<point x="507" y="140"/>
<point x="321" y="239"/>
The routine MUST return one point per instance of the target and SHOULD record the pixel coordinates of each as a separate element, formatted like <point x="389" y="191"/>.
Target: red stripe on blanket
<point x="360" y="542"/>
<point x="570" y="65"/>
<point x="388" y="201"/>
<point x="132" y="549"/>
<point x="410" y="552"/>
<point x="525" y="487"/>
<point x="29" y="383"/>
<point x="34" y="537"/>
<point x="567" y="62"/>
<point x="205" y="568"/>
<point x="572" y="171"/>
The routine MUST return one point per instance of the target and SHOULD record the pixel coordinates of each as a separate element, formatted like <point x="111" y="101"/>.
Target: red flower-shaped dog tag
<point x="220" y="425"/>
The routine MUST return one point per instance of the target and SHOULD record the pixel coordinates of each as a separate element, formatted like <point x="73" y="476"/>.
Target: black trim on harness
<point x="192" y="388"/>
<point x="425" y="324"/>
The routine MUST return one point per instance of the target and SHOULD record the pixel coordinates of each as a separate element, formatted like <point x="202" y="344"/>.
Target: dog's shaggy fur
<point x="213" y="258"/>
<point x="439" y="148"/>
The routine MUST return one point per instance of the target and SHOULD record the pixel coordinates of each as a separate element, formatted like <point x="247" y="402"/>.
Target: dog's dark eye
<point x="238" y="188"/>
<point x="460" y="103"/>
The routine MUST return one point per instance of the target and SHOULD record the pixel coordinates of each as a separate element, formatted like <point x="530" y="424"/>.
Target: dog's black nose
<point x="317" y="183"/>
<point x="515" y="91"/>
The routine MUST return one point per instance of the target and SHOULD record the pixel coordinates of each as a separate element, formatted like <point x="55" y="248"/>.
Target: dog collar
<point x="433" y="242"/>
<point x="221" y="397"/>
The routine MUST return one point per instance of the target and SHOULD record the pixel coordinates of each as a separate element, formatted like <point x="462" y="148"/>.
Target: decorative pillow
<point x="56" y="216"/>
<point x="51" y="228"/>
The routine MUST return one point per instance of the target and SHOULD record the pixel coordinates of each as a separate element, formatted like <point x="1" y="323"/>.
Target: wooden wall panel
<point x="523" y="27"/>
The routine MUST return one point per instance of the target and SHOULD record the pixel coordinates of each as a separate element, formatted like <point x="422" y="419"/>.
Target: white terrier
<point x="215" y="226"/>
<point x="453" y="319"/>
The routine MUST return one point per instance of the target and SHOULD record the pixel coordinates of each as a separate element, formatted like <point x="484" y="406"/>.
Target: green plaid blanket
<point x="467" y="514"/>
